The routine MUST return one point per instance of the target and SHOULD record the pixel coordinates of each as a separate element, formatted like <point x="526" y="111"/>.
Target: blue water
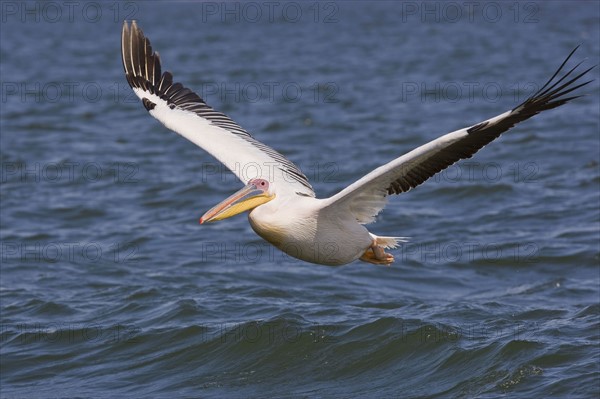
<point x="110" y="287"/>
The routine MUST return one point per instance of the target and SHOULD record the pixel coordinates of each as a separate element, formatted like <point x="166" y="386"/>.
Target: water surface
<point x="110" y="287"/>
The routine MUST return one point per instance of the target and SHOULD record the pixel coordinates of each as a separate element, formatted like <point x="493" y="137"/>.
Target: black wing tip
<point x="143" y="71"/>
<point x="139" y="60"/>
<point x="550" y="95"/>
<point x="131" y="23"/>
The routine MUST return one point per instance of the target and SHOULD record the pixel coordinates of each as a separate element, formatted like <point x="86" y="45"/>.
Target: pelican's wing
<point x="367" y="197"/>
<point x="184" y="112"/>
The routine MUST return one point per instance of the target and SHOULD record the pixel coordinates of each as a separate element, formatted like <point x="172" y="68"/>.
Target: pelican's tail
<point x="389" y="242"/>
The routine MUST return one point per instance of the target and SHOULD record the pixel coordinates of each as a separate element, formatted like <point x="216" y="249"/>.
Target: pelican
<point x="283" y="208"/>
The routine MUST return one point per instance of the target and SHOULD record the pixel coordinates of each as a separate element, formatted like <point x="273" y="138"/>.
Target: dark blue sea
<point x="110" y="287"/>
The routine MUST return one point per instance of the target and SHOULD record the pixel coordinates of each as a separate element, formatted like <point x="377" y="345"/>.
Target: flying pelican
<point x="282" y="205"/>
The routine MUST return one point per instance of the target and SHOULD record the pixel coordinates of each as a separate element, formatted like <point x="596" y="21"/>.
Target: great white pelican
<point x="282" y="205"/>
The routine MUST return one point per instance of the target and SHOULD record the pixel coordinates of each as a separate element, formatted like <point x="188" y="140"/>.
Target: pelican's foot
<point x="376" y="255"/>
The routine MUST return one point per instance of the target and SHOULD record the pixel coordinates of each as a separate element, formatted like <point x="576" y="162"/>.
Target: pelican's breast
<point x="285" y="223"/>
<point x="303" y="230"/>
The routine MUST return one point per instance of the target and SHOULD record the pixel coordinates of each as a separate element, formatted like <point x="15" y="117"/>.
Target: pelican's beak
<point x="247" y="198"/>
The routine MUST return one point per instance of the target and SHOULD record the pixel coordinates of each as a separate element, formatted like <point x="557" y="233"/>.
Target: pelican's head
<point x="256" y="192"/>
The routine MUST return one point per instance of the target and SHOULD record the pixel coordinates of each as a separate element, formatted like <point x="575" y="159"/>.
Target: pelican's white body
<point x="303" y="227"/>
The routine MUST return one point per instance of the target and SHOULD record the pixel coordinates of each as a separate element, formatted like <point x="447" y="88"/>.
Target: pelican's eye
<point x="261" y="183"/>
